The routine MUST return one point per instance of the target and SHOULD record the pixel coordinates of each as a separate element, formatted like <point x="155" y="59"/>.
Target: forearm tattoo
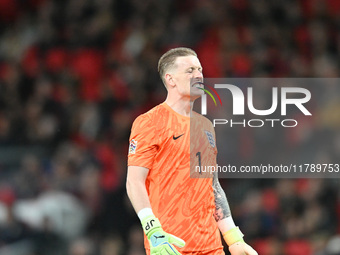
<point x="221" y="203"/>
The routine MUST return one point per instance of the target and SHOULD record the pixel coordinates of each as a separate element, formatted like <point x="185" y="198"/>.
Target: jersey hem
<point x="194" y="251"/>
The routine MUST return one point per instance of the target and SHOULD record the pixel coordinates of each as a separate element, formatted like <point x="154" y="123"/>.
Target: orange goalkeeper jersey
<point x="160" y="141"/>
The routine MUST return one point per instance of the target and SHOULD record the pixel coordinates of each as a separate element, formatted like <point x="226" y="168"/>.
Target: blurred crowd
<point x="74" y="74"/>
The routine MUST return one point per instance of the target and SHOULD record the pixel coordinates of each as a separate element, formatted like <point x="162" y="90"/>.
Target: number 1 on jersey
<point x="198" y="154"/>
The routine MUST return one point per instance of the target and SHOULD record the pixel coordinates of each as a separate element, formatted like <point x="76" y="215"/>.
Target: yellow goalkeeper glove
<point x="160" y="241"/>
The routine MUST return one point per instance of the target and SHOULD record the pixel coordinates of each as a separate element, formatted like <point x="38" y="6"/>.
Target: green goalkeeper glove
<point x="160" y="241"/>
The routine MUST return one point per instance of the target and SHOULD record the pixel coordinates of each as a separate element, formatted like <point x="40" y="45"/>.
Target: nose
<point x="198" y="74"/>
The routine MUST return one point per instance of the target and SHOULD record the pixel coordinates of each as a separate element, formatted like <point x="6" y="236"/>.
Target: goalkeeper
<point x="179" y="214"/>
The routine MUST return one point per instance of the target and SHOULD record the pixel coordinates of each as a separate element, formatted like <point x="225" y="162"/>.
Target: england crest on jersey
<point x="210" y="137"/>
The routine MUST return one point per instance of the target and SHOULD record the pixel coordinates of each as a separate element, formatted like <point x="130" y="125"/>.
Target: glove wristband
<point x="150" y="225"/>
<point x="233" y="235"/>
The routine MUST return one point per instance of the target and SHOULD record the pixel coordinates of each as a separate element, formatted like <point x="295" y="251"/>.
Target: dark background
<point x="75" y="74"/>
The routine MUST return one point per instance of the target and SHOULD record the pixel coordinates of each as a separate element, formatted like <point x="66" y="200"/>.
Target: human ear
<point x="169" y="80"/>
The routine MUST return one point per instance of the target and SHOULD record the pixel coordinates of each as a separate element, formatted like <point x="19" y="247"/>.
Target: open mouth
<point x="197" y="84"/>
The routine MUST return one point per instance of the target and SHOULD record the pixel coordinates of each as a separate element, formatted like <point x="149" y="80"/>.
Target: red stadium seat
<point x="30" y="62"/>
<point x="262" y="247"/>
<point x="8" y="10"/>
<point x="270" y="200"/>
<point x="56" y="59"/>
<point x="298" y="247"/>
<point x="88" y="66"/>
